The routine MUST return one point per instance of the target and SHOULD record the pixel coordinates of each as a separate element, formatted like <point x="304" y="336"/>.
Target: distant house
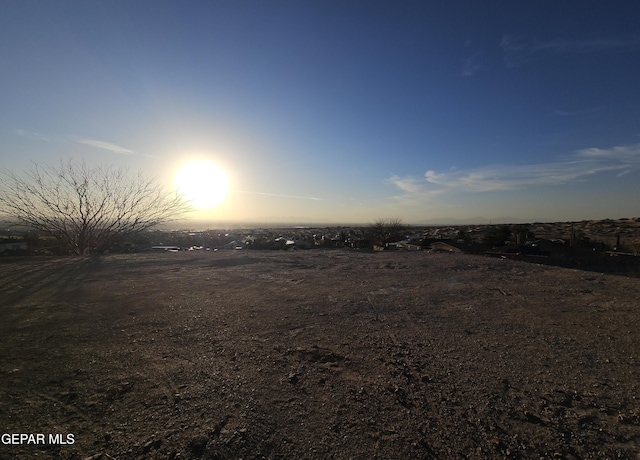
<point x="359" y="243"/>
<point x="537" y="249"/>
<point x="10" y="246"/>
<point x="166" y="248"/>
<point x="235" y="244"/>
<point x="419" y="244"/>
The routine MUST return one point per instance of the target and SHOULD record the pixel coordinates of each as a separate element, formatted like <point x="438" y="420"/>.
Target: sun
<point x="202" y="183"/>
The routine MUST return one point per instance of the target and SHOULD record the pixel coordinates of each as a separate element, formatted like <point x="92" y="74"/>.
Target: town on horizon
<point x="205" y="224"/>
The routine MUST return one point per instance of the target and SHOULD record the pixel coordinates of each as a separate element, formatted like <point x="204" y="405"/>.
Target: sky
<point x="338" y="112"/>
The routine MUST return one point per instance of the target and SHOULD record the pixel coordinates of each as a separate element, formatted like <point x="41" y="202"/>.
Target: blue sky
<point x="333" y="111"/>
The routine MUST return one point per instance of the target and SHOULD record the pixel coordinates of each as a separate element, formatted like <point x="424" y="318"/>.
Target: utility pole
<point x="572" y="236"/>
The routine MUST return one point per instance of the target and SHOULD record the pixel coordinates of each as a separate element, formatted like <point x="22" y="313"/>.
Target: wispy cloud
<point x="407" y="184"/>
<point x="577" y="167"/>
<point x="105" y="146"/>
<point x="577" y="113"/>
<point x="627" y="154"/>
<point x="298" y="197"/>
<point x="588" y="45"/>
<point x="95" y="143"/>
<point x="31" y="135"/>
<point x="471" y="65"/>
<point x="413" y="189"/>
<point x="517" y="52"/>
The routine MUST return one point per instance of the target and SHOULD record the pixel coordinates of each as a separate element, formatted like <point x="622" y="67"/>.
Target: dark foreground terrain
<point x="318" y="354"/>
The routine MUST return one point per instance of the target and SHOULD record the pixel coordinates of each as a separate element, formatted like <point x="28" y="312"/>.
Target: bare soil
<point x="317" y="354"/>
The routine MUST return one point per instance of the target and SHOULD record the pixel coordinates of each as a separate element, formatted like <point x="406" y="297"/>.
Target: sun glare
<point x="202" y="183"/>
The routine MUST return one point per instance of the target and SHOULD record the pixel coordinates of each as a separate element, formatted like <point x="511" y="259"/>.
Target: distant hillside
<point x="476" y="221"/>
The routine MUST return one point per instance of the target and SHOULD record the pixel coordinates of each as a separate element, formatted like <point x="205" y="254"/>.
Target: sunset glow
<point x="337" y="112"/>
<point x="202" y="183"/>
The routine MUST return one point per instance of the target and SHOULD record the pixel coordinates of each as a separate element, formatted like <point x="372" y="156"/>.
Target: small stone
<point x="198" y="445"/>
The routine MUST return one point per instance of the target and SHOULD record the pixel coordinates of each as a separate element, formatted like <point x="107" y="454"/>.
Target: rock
<point x="198" y="445"/>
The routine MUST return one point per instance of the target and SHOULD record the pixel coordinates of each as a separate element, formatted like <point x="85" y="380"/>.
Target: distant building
<point x="10" y="246"/>
<point x="165" y="248"/>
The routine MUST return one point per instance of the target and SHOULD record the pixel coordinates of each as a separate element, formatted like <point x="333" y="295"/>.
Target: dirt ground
<point x="317" y="354"/>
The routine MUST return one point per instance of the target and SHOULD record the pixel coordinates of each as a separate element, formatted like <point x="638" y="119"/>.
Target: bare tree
<point x="385" y="231"/>
<point x="520" y="233"/>
<point x="86" y="207"/>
